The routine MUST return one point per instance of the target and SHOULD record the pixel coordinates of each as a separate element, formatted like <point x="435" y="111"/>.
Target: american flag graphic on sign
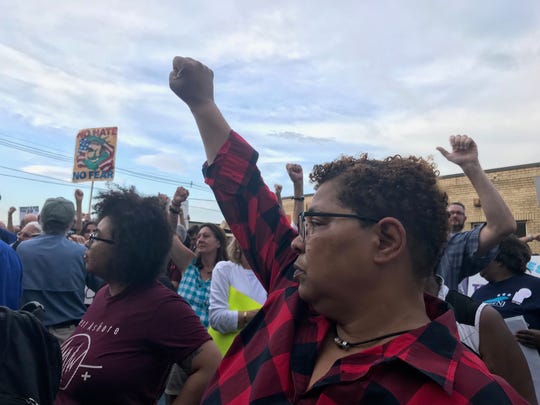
<point x="94" y="154"/>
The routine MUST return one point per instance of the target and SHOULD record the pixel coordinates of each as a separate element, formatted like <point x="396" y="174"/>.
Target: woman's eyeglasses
<point x="93" y="237"/>
<point x="304" y="227"/>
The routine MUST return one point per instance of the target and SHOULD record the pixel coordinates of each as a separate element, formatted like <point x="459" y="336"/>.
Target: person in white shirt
<point x="236" y="295"/>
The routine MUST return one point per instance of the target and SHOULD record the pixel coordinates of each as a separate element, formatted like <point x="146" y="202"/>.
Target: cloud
<point x="304" y="81"/>
<point x="54" y="172"/>
<point x="165" y="162"/>
<point x="289" y="135"/>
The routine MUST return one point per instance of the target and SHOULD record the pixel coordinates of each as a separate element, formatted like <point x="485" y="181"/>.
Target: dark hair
<point x="193" y="230"/>
<point x="55" y="227"/>
<point x="191" y="235"/>
<point x="401" y="187"/>
<point x="457" y="203"/>
<point x="514" y="254"/>
<point x="85" y="226"/>
<point x="141" y="233"/>
<point x="219" y="234"/>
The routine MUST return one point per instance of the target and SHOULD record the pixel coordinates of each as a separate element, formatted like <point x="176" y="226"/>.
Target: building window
<point x="521" y="228"/>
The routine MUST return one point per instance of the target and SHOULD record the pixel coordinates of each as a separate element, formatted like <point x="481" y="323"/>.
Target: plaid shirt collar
<point x="439" y="336"/>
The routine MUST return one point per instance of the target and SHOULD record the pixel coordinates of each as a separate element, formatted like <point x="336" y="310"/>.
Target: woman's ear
<point x="392" y="240"/>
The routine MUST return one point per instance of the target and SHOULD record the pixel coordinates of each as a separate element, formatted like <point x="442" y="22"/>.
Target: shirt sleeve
<point x="473" y="263"/>
<point x="10" y="277"/>
<point x="221" y="318"/>
<point x="252" y="212"/>
<point x="460" y="260"/>
<point x="8" y="237"/>
<point x="176" y="330"/>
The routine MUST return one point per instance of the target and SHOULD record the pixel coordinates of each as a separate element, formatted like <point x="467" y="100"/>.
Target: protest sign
<point x="95" y="150"/>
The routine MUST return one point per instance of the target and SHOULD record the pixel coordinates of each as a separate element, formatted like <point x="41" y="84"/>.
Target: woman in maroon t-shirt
<point x="136" y="329"/>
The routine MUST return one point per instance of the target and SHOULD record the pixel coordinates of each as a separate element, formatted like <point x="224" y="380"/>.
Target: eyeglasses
<point x="93" y="237"/>
<point x="28" y="235"/>
<point x="460" y="213"/>
<point x="304" y="227"/>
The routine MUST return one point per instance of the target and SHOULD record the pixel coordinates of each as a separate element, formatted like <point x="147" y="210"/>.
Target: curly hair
<point x="141" y="233"/>
<point x="219" y="234"/>
<point x="401" y="187"/>
<point x="514" y="254"/>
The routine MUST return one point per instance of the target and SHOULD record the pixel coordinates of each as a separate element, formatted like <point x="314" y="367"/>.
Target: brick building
<point x="516" y="185"/>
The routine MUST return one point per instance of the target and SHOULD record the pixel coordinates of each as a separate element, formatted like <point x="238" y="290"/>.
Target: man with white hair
<point x="30" y="230"/>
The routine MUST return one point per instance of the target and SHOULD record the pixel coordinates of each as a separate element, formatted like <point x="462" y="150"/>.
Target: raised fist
<point x="464" y="150"/>
<point x="79" y="195"/>
<point x="191" y="81"/>
<point x="295" y="172"/>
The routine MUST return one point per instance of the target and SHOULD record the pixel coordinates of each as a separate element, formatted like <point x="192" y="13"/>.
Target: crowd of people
<point x="359" y="298"/>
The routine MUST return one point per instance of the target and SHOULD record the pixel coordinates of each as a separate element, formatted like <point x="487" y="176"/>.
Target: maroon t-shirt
<point x="123" y="348"/>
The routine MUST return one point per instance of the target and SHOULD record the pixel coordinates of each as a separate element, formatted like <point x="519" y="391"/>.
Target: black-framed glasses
<point x="93" y="237"/>
<point x="28" y="235"/>
<point x="304" y="226"/>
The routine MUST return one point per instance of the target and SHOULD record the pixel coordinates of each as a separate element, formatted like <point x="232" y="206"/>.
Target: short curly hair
<point x="401" y="187"/>
<point x="141" y="233"/>
<point x="514" y="254"/>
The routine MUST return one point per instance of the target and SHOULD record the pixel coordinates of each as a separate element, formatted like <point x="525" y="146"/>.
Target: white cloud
<point x="384" y="77"/>
<point x="55" y="172"/>
<point x="166" y="162"/>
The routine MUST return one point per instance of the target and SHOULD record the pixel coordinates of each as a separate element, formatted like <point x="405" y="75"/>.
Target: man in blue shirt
<point x="7" y="236"/>
<point x="468" y="252"/>
<point x="10" y="277"/>
<point x="54" y="270"/>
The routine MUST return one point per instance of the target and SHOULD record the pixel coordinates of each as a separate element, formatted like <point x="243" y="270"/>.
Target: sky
<point x="302" y="81"/>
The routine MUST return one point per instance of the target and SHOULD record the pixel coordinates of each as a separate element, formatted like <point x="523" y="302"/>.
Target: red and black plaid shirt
<point x="272" y="359"/>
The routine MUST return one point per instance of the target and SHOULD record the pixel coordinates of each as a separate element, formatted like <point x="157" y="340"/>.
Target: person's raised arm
<point x="296" y="175"/>
<point x="193" y="83"/>
<point x="249" y="207"/>
<point x="175" y="209"/>
<point x="180" y="254"/>
<point x="499" y="219"/>
<point x="78" y="212"/>
<point x="530" y="238"/>
<point x="277" y="191"/>
<point x="10" y="226"/>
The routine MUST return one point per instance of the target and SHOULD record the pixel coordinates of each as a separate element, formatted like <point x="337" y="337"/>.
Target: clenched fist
<point x="192" y="81"/>
<point x="181" y="194"/>
<point x="295" y="172"/>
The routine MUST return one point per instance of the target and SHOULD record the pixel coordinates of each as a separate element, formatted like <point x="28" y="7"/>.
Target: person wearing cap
<point x="53" y="269"/>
